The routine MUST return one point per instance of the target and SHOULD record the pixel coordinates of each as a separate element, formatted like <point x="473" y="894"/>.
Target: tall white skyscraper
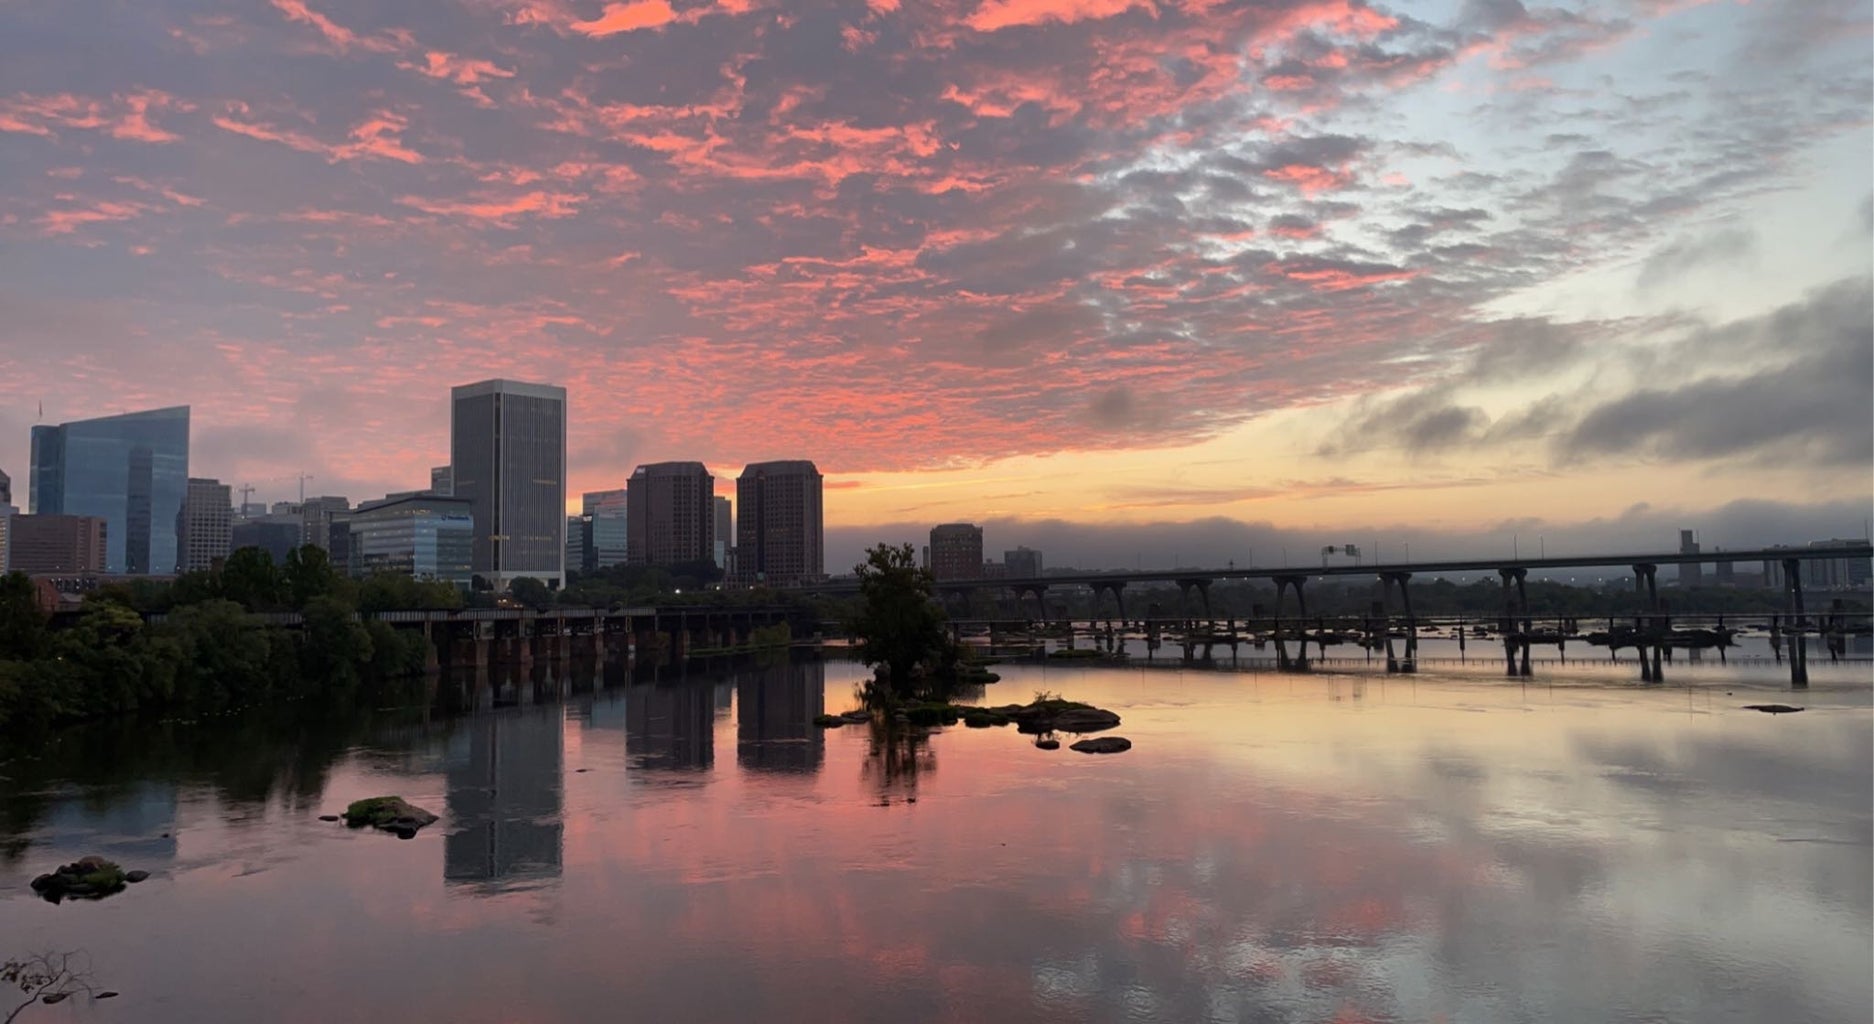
<point x="507" y="453"/>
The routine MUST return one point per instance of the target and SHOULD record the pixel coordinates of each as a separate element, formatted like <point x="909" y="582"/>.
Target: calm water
<point x="1323" y="848"/>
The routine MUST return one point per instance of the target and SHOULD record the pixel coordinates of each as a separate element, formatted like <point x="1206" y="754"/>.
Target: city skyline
<point x="1300" y="272"/>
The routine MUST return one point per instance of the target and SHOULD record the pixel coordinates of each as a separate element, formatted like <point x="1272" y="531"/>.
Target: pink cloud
<point x="341" y="38"/>
<point x="458" y="69"/>
<point x="378" y="136"/>
<point x="1000" y="14"/>
<point x="626" y="17"/>
<point x="123" y="116"/>
<point x="64" y="222"/>
<point x="500" y="210"/>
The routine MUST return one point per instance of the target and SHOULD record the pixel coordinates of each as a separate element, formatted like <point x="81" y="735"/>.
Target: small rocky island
<point x="391" y="814"/>
<point x="87" y="878"/>
<point x="1045" y="715"/>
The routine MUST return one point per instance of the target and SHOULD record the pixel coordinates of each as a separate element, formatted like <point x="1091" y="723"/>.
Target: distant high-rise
<point x="507" y="456"/>
<point x="316" y="516"/>
<point x="207" y="524"/>
<point x="43" y="544"/>
<point x="781" y="536"/>
<point x="277" y="535"/>
<point x="132" y="471"/>
<point x="423" y="535"/>
<point x="1691" y="574"/>
<point x="956" y="551"/>
<point x="579" y="543"/>
<point x="725" y="532"/>
<point x="7" y="512"/>
<point x="1023" y="563"/>
<point x="442" y="479"/>
<point x="671" y="514"/>
<point x="610" y="526"/>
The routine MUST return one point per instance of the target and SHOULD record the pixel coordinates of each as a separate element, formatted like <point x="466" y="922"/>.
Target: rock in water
<point x="85" y="878"/>
<point x="1049" y="744"/>
<point x="1103" y="745"/>
<point x="1773" y="709"/>
<point x="328" y="817"/>
<point x="390" y="813"/>
<point x="133" y="877"/>
<point x="1085" y="720"/>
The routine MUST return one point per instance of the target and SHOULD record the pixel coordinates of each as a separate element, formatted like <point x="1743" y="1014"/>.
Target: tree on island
<point x="899" y="627"/>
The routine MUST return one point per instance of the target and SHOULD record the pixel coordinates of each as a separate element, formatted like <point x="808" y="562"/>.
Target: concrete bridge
<point x="1650" y="632"/>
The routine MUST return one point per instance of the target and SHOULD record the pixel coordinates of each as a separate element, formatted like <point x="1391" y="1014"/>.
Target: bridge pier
<point x="1202" y="586"/>
<point x="1515" y="618"/>
<point x="1647" y="625"/>
<point x="1282" y="660"/>
<point x="1798" y="642"/>
<point x="1387" y="582"/>
<point x="1118" y="590"/>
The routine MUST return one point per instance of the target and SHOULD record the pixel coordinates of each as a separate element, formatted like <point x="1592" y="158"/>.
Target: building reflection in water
<point x="670" y="726"/>
<point x="774" y="711"/>
<point x="505" y="798"/>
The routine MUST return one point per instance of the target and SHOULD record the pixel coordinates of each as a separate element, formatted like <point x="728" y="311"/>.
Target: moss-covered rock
<point x="391" y="813"/>
<point x="87" y="878"/>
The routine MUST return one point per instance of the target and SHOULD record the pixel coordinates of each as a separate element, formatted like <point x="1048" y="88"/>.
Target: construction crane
<point x="247" y="490"/>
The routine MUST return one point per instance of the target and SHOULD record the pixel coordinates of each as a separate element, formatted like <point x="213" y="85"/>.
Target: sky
<point x="1148" y="282"/>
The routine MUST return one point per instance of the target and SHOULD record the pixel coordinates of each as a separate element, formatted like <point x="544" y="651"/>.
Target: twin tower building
<point x="507" y="451"/>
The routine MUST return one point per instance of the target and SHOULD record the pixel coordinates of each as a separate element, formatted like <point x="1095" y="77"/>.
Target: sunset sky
<point x="1327" y="269"/>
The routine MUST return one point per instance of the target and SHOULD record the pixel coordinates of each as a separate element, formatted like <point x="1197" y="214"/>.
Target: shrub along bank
<point x="209" y="654"/>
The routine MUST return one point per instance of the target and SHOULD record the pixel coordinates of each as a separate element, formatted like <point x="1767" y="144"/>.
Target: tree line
<point x="209" y="654"/>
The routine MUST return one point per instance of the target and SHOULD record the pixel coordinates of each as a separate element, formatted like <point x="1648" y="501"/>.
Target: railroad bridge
<point x="478" y="636"/>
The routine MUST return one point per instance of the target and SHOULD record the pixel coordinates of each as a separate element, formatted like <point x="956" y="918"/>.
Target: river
<point x="1338" y="846"/>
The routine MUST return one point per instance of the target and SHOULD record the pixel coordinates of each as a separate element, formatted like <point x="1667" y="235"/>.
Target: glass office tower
<point x="132" y="471"/>
<point x="609" y="533"/>
<point x="507" y="452"/>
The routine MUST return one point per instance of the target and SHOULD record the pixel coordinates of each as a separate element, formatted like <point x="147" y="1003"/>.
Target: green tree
<point x="531" y="593"/>
<point x="308" y="574"/>
<point x="335" y="646"/>
<point x="22" y="624"/>
<point x="250" y="579"/>
<point x="222" y="654"/>
<point x="898" y="626"/>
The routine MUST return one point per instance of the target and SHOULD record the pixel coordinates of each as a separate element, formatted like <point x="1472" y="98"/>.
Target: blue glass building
<point x="132" y="471"/>
<point x="425" y="535"/>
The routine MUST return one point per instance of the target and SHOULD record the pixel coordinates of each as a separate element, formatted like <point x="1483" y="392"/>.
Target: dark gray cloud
<point x="1814" y="405"/>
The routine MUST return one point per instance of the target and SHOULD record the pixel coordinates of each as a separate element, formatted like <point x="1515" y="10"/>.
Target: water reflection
<point x="1273" y="848"/>
<point x="671" y="725"/>
<point x="504" y="799"/>
<point x="775" y="708"/>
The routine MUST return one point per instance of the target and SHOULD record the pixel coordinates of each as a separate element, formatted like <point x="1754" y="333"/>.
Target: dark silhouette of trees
<point x="899" y="628"/>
